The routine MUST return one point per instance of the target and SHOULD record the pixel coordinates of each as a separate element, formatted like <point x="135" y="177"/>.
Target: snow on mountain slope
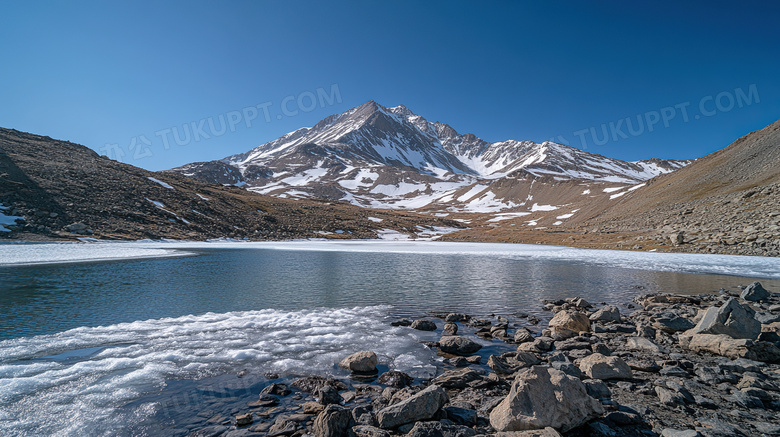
<point x="393" y="158"/>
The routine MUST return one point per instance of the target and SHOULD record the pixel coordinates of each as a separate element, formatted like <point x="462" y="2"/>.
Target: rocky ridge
<point x="61" y="190"/>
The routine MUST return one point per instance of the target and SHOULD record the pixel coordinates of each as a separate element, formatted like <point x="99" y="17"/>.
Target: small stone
<point x="450" y="328"/>
<point x="423" y="325"/>
<point x="394" y="378"/>
<point x="244" y="419"/>
<point x="523" y="335"/>
<point x="312" y="407"/>
<point x="401" y="322"/>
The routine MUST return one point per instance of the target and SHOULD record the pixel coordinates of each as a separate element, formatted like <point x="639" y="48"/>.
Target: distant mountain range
<point x="392" y="158"/>
<point x="51" y="189"/>
<point x="462" y="188"/>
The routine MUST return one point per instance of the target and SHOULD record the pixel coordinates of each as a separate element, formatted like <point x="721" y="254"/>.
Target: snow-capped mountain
<point x="393" y="158"/>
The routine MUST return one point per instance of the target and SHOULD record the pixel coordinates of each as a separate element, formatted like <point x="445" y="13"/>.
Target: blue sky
<point x="111" y="75"/>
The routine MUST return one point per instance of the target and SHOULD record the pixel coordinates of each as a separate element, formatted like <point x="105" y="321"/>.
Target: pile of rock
<point x="679" y="366"/>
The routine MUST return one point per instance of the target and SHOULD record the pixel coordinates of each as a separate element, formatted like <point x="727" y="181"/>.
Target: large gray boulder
<point x="544" y="397"/>
<point x="360" y="362"/>
<point x="754" y="292"/>
<point x="421" y="406"/>
<point x="732" y="319"/>
<point x="602" y="367"/>
<point x="457" y="345"/>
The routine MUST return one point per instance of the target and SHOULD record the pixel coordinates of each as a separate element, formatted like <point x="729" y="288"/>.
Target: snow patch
<point x="537" y="207"/>
<point x="160" y="182"/>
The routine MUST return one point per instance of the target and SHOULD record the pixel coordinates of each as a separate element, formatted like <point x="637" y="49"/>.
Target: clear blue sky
<point x="100" y="73"/>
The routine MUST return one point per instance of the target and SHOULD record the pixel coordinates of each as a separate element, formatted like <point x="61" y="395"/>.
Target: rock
<point x="455" y="344"/>
<point x="608" y="313"/>
<point x="209" y="431"/>
<point x="438" y="429"/>
<point x="360" y="362"/>
<point x="459" y="378"/>
<point x="671" y="432"/>
<point x="474" y="359"/>
<point x="312" y="383"/>
<point x="597" y="389"/>
<point x="731" y="319"/>
<point x="544" y="397"/>
<point x="394" y="378"/>
<point x="276" y="389"/>
<point x="677" y="238"/>
<point x="568" y="368"/>
<point x="747" y="401"/>
<point x="421" y="406"/>
<point x="312" y="407"/>
<point x="547" y="432"/>
<point x="502" y="366"/>
<point x="644" y="344"/>
<point x="601" y="348"/>
<point x="540" y="344"/>
<point x="527" y="359"/>
<point x="327" y="395"/>
<point x="401" y="322"/>
<point x="76" y="228"/>
<point x="672" y="323"/>
<point x="423" y="325"/>
<point x="332" y="422"/>
<point x="456" y="317"/>
<point x="450" y="328"/>
<point x="523" y="335"/>
<point x="461" y="416"/>
<point x="754" y="293"/>
<point x="668" y="397"/>
<point x="282" y="426"/>
<point x="244" y="419"/>
<point x="602" y="367"/>
<point x="367" y="431"/>
<point x="733" y="348"/>
<point x="568" y="324"/>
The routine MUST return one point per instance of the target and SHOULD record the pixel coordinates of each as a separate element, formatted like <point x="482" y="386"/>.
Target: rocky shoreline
<point x="668" y="365"/>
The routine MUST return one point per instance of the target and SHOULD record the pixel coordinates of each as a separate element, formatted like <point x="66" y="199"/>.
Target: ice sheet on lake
<point x="747" y="266"/>
<point x="73" y="383"/>
<point x="50" y="253"/>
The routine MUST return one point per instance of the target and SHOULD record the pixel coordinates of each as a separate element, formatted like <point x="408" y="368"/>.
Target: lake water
<point x="92" y="346"/>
